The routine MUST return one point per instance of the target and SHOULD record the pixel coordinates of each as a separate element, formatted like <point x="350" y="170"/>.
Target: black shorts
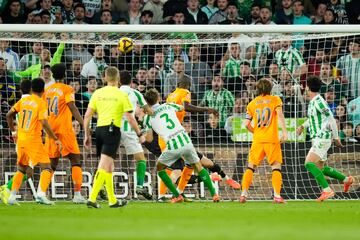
<point x="107" y="142"/>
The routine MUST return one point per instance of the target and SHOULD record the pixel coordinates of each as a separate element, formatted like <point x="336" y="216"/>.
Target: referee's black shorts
<point x="107" y="142"/>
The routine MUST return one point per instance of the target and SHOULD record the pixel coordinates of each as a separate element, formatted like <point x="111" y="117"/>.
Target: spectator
<point x="353" y="10"/>
<point x="274" y="76"/>
<point x="106" y="5"/>
<point x="172" y="79"/>
<point x="96" y="65"/>
<point x="106" y="17"/>
<point x="32" y="58"/>
<point x="299" y="16"/>
<point x="152" y="79"/>
<point x="349" y="66"/>
<point x="7" y="86"/>
<point x="141" y="76"/>
<point x="284" y="15"/>
<point x="291" y="59"/>
<point x="255" y="13"/>
<point x="353" y="110"/>
<point x="219" y="99"/>
<point x="314" y="64"/>
<point x="90" y="7"/>
<point x="13" y="13"/>
<point x="250" y="86"/>
<point x="290" y="102"/>
<point x="347" y="132"/>
<point x="178" y="18"/>
<point x="308" y="6"/>
<point x="58" y="14"/>
<point x="175" y="51"/>
<point x="340" y="112"/>
<point x="11" y="58"/>
<point x="45" y="73"/>
<point x="46" y="5"/>
<point x="320" y="12"/>
<point x="328" y="81"/>
<point x="160" y="66"/>
<point x="265" y="17"/>
<point x="357" y="133"/>
<point x="79" y="11"/>
<point x="199" y="71"/>
<point x="74" y="73"/>
<point x="156" y="7"/>
<point x="77" y="51"/>
<point x="120" y="6"/>
<point x="146" y="17"/>
<point x="213" y="132"/>
<point x="193" y="14"/>
<point x="329" y="17"/>
<point x="239" y="111"/>
<point x="209" y="9"/>
<point x="91" y="86"/>
<point x="134" y="12"/>
<point x="67" y="11"/>
<point x="45" y="17"/>
<point x="37" y="19"/>
<point x="231" y="70"/>
<point x="329" y="97"/>
<point x="171" y="7"/>
<point x="221" y="14"/>
<point x="232" y="15"/>
<point x="136" y="59"/>
<point x="80" y="102"/>
<point x="340" y="11"/>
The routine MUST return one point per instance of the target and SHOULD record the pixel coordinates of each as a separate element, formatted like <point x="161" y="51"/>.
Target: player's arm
<point x="75" y="112"/>
<point x="196" y="109"/>
<point x="148" y="110"/>
<point x="87" y="118"/>
<point x="133" y="123"/>
<point x="281" y="118"/>
<point x="10" y="115"/>
<point x="334" y="130"/>
<point x="301" y="128"/>
<point x="247" y="124"/>
<point x="149" y="136"/>
<point x="50" y="133"/>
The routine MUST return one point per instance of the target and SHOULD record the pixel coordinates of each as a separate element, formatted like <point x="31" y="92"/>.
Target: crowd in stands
<point x="223" y="75"/>
<point x="180" y="11"/>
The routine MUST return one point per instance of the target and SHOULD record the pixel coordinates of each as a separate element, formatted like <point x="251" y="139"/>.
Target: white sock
<point x="77" y="194"/>
<point x="180" y="192"/>
<point x="226" y="177"/>
<point x="328" y="189"/>
<point x="346" y="180"/>
<point x="244" y="193"/>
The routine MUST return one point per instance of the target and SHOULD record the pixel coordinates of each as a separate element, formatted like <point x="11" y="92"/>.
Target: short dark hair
<point x="25" y="86"/>
<point x="45" y="12"/>
<point x="125" y="77"/>
<point x="59" y="71"/>
<point x="151" y="96"/>
<point x="314" y="83"/>
<point x="147" y="12"/>
<point x="106" y="10"/>
<point x="38" y="85"/>
<point x="264" y="86"/>
<point x="184" y="82"/>
<point x="80" y="5"/>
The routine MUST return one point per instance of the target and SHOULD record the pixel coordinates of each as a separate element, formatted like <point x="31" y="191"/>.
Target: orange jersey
<point x="262" y="110"/>
<point x="179" y="96"/>
<point x="32" y="110"/>
<point x="57" y="96"/>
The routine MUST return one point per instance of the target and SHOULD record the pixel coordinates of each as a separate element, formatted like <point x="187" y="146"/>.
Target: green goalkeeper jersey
<point x="319" y="115"/>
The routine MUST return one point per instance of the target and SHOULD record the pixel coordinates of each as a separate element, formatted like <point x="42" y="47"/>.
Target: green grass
<point x="200" y="220"/>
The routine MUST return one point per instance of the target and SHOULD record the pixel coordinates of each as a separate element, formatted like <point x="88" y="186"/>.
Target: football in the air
<point x="125" y="45"/>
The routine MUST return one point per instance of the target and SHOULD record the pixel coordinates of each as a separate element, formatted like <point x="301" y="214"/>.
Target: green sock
<point x="167" y="180"/>
<point x="10" y="182"/>
<point x="140" y="172"/>
<point x="331" y="172"/>
<point x="318" y="174"/>
<point x="204" y="176"/>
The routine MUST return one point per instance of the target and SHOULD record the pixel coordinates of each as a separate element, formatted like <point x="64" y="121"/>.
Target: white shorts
<point x="321" y="147"/>
<point x="131" y="143"/>
<point x="188" y="153"/>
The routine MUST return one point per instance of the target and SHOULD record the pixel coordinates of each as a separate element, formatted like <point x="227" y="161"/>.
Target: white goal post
<point x="240" y="55"/>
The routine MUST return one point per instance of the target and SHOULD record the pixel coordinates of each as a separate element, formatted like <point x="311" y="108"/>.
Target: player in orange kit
<point x="30" y="149"/>
<point x="182" y="96"/>
<point x="265" y="111"/>
<point x="61" y="109"/>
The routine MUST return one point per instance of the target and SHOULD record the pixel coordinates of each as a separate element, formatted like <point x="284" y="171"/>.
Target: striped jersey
<point x="166" y="124"/>
<point x="232" y="68"/>
<point x="291" y="57"/>
<point x="350" y="69"/>
<point x="136" y="99"/>
<point x="319" y="115"/>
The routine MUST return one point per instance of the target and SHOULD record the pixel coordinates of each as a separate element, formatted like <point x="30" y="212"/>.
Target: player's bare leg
<point x="140" y="175"/>
<point x="277" y="182"/>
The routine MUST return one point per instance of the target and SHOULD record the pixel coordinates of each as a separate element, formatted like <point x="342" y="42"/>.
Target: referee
<point x="110" y="103"/>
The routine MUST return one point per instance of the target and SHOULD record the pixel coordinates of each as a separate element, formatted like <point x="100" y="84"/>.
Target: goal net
<point x="224" y="68"/>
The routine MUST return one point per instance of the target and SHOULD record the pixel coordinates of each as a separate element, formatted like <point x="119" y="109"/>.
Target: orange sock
<point x="276" y="181"/>
<point x="45" y="178"/>
<point x="184" y="178"/>
<point x="76" y="175"/>
<point x="247" y="179"/>
<point x="162" y="187"/>
<point x="17" y="180"/>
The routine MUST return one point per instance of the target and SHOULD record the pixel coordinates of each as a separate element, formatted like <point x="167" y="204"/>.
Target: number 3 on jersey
<point x="263" y="117"/>
<point x="53" y="105"/>
<point x="170" y="123"/>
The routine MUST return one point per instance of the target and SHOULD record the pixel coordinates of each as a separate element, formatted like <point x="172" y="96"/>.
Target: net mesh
<point x="240" y="59"/>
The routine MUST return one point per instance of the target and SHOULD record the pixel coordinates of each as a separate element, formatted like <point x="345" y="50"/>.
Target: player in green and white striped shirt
<point x="129" y="139"/>
<point x="323" y="129"/>
<point x="178" y="143"/>
<point x="291" y="59"/>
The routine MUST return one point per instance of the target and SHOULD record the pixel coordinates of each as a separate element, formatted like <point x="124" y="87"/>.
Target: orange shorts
<point x="162" y="144"/>
<point x="31" y="154"/>
<point x="271" y="150"/>
<point x="69" y="145"/>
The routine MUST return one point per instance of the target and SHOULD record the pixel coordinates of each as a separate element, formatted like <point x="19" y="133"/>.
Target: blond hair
<point x="112" y="74"/>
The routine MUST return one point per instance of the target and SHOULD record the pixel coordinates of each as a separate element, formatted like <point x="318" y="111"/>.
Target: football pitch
<point x="198" y="220"/>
